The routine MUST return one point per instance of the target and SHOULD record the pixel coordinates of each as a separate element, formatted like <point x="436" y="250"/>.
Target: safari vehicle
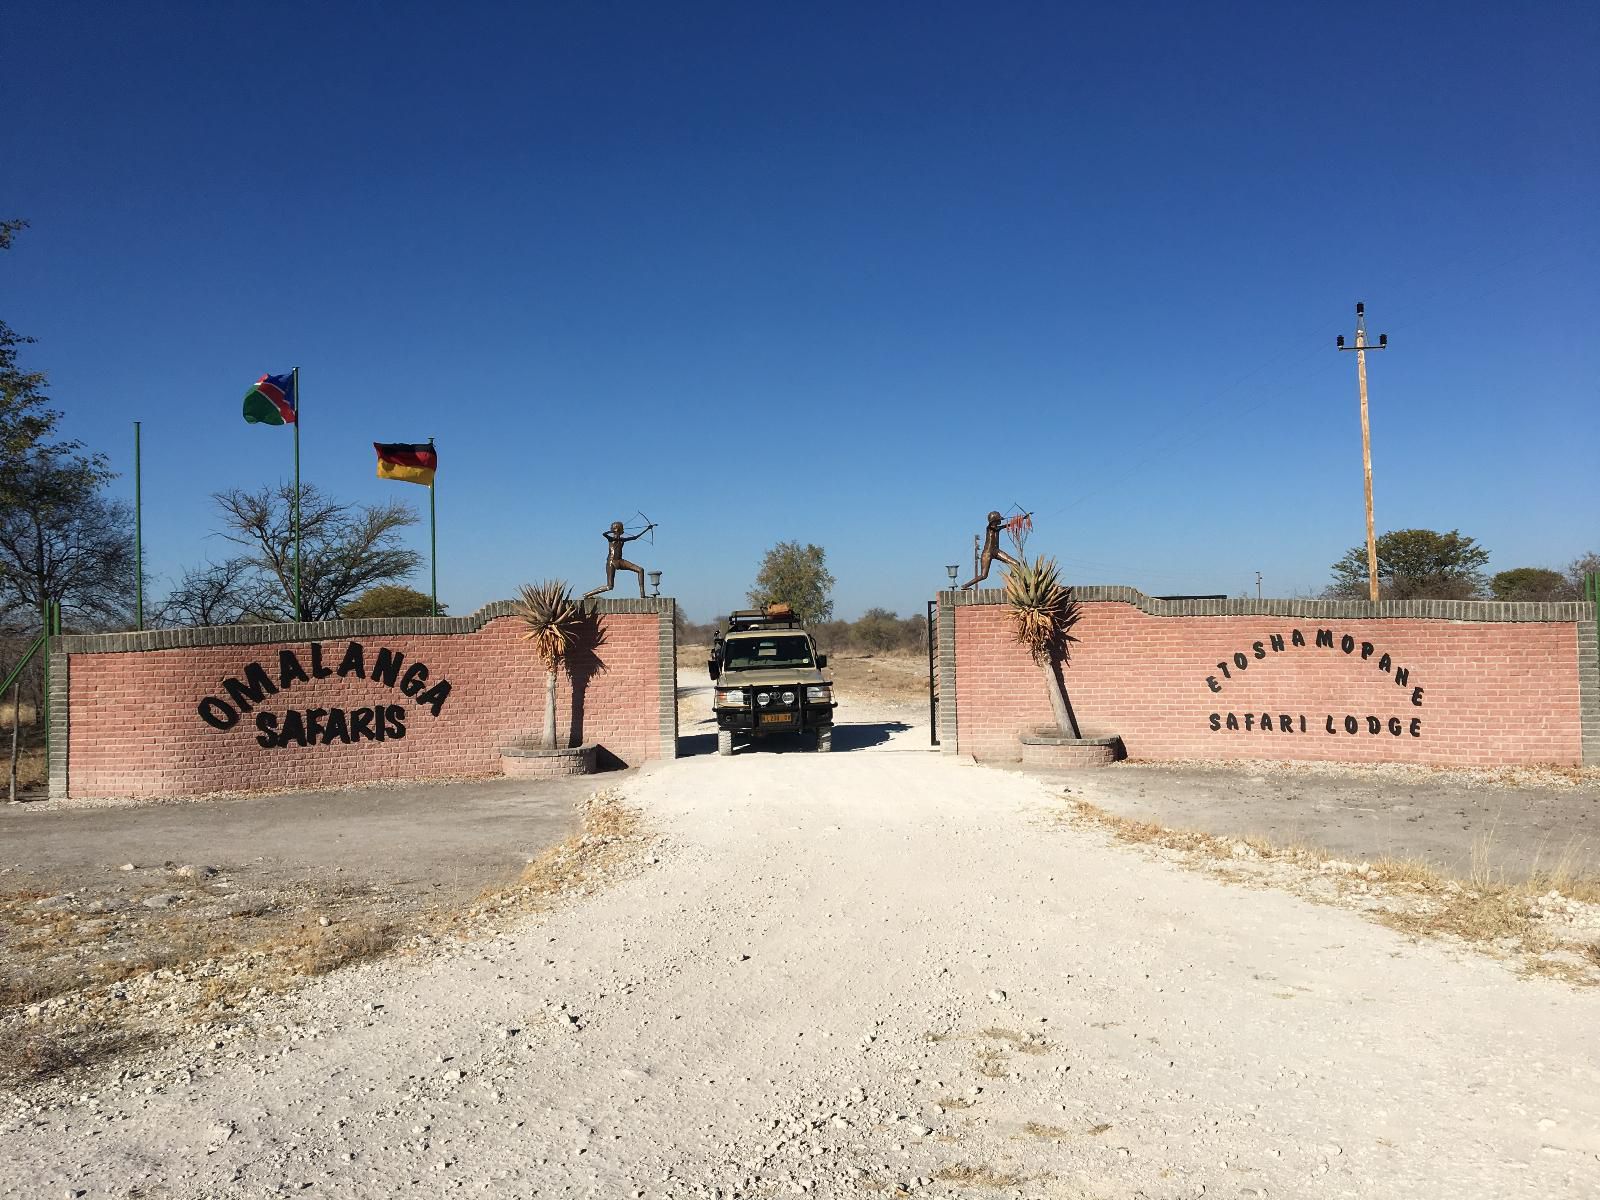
<point x="768" y="679"/>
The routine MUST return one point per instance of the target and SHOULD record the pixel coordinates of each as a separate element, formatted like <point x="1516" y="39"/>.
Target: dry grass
<point x="1023" y="1043"/>
<point x="1050" y="1133"/>
<point x="193" y="964"/>
<point x="1484" y="909"/>
<point x="970" y="1176"/>
<point x="956" y="1103"/>
<point x="32" y="770"/>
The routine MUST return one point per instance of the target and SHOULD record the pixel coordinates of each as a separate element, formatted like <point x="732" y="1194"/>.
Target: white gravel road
<point x="853" y="973"/>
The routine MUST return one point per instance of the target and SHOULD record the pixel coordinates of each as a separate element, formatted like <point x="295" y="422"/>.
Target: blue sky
<point x="848" y="274"/>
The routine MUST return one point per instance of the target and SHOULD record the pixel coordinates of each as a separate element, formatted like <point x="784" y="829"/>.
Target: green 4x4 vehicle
<point x="767" y="678"/>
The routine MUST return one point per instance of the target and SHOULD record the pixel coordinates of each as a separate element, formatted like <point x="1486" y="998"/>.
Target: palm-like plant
<point x="554" y="620"/>
<point x="1042" y="613"/>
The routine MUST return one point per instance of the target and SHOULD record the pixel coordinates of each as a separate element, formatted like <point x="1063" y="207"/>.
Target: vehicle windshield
<point x="783" y="650"/>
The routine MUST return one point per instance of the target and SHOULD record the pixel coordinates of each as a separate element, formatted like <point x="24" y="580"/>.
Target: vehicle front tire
<point x="825" y="739"/>
<point x="724" y="741"/>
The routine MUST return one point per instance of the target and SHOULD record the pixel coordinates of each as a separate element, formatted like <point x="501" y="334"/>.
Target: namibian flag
<point x="272" y="401"/>
<point x="407" y="462"/>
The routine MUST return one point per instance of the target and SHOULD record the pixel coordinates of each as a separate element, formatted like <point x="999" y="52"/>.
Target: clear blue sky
<point x="850" y="274"/>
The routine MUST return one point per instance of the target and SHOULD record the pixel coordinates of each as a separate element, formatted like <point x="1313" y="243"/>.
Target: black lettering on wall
<point x="1325" y="638"/>
<point x="1259" y="649"/>
<point x="1233" y="721"/>
<point x="1416" y="696"/>
<point x="1285" y="724"/>
<point x="314" y="728"/>
<point x="257" y="686"/>
<point x="1240" y="661"/>
<point x="361" y="725"/>
<point x="1394" y="726"/>
<point x="218" y="714"/>
<point x="1249" y="721"/>
<point x="397" y="721"/>
<point x="1215" y="721"/>
<point x="1277" y="642"/>
<point x="1416" y="727"/>
<point x="386" y="667"/>
<point x="289" y="669"/>
<point x="336" y="728"/>
<point x="354" y="661"/>
<point x="268" y="724"/>
<point x="435" y="696"/>
<point x="318" y="671"/>
<point x="294" y="729"/>
<point x="1347" y="643"/>
<point x="1226" y="674"/>
<point x="411" y="682"/>
<point x="1296" y="638"/>
<point x="1402" y="675"/>
<point x="1385" y="663"/>
<point x="1374" y="725"/>
<point x="1211" y="682"/>
<point x="1366" y="649"/>
<point x="1351" y="725"/>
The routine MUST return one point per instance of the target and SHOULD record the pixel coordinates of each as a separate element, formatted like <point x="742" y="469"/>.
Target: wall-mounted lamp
<point x="655" y="582"/>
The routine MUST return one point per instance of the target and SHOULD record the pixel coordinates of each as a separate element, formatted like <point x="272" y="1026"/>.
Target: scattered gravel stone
<point x="162" y="900"/>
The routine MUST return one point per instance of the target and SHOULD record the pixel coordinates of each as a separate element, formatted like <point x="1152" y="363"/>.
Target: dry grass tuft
<point x="1025" y="1043"/>
<point x="319" y="949"/>
<point x="1051" y="1133"/>
<point x="969" y="1176"/>
<point x="1415" y="897"/>
<point x="36" y="1054"/>
<point x="956" y="1103"/>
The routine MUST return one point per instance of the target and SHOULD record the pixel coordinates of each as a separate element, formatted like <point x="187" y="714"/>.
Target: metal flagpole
<point x="138" y="534"/>
<point x="433" y="535"/>
<point x="299" y="609"/>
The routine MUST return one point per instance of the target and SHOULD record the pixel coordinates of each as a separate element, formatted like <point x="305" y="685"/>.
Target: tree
<point x="797" y="576"/>
<point x="1530" y="583"/>
<point x="390" y="600"/>
<point x="1580" y="569"/>
<point x="878" y="629"/>
<point x="1042" y="613"/>
<point x="1415" y="564"/>
<point x="61" y="540"/>
<point x="26" y="418"/>
<point x="344" y="550"/>
<point x="225" y="593"/>
<point x="555" y="623"/>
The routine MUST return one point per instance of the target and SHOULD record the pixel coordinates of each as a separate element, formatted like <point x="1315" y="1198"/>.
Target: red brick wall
<point x="1492" y="692"/>
<point x="135" y="729"/>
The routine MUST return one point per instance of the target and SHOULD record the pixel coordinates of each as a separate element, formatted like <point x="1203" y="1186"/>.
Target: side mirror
<point x="714" y="667"/>
<point x="822" y="661"/>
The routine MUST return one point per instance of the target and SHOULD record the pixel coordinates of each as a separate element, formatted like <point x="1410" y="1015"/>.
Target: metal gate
<point x="933" y="672"/>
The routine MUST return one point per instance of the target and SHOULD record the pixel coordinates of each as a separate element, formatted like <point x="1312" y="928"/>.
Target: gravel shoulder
<point x="864" y="974"/>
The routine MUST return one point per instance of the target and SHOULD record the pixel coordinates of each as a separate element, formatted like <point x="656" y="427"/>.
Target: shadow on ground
<point x="845" y="738"/>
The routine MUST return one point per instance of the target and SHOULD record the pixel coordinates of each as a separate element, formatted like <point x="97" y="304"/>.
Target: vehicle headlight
<point x="763" y="698"/>
<point x="732" y="696"/>
<point x="821" y="694"/>
<point x="788" y="697"/>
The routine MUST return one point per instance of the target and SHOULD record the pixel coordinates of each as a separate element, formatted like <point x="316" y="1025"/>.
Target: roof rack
<point x="774" y="616"/>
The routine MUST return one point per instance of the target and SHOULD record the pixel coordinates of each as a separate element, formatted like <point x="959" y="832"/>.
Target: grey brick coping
<point x="667" y="666"/>
<point x="1589" y="691"/>
<point x="1320" y="610"/>
<point x="317" y="631"/>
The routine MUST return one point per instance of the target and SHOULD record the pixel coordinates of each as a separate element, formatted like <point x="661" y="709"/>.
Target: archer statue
<point x="616" y="539"/>
<point x="991" y="544"/>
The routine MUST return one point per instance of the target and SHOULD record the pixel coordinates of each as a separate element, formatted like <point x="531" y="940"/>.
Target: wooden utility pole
<point x="1361" y="349"/>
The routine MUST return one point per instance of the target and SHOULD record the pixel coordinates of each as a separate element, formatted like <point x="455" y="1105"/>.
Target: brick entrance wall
<point x="1448" y="682"/>
<point x="126" y="717"/>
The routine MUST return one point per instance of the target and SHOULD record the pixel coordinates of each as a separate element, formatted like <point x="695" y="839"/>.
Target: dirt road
<point x="841" y="975"/>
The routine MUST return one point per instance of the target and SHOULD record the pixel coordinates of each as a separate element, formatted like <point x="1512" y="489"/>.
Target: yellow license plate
<point x="776" y="718"/>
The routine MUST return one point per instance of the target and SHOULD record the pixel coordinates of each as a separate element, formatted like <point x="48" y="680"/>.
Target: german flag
<point x="407" y="462"/>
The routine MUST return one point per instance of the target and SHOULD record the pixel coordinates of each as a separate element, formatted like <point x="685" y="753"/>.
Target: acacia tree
<point x="798" y="576"/>
<point x="225" y="593"/>
<point x="390" y="600"/>
<point x="1415" y="564"/>
<point x="1531" y="583"/>
<point x="344" y="549"/>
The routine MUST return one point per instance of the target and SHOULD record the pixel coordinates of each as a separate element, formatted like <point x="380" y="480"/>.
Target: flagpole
<point x="433" y="538"/>
<point x="299" y="609"/>
<point x="138" y="534"/>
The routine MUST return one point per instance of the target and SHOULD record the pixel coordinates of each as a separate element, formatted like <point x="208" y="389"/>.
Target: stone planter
<point x="1052" y="748"/>
<point x="532" y="762"/>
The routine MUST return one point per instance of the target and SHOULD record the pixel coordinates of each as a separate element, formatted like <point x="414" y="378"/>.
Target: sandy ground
<point x="447" y="838"/>
<point x="1442" y="818"/>
<point x="859" y="974"/>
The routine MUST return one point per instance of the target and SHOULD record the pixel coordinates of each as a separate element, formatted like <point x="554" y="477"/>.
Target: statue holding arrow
<point x="1018" y="527"/>
<point x="617" y="537"/>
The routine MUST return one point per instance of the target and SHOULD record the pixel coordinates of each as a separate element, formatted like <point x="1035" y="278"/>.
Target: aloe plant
<point x="1042" y="613"/>
<point x="554" y="620"/>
